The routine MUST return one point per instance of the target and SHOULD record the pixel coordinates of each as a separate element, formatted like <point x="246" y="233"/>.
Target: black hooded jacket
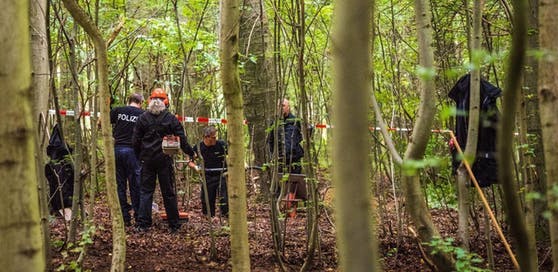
<point x="484" y="167"/>
<point x="59" y="172"/>
<point x="289" y="139"/>
<point x="149" y="132"/>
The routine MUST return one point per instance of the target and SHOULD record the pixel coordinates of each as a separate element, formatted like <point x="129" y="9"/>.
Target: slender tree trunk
<point x="39" y="57"/>
<point x="118" y="234"/>
<point x="526" y="259"/>
<point x="228" y="54"/>
<point x="531" y="132"/>
<point x="277" y="222"/>
<point x="21" y="244"/>
<point x="76" y="128"/>
<point x="53" y="54"/>
<point x="416" y="201"/>
<point x="40" y="80"/>
<point x="470" y="152"/>
<point x="548" y="99"/>
<point x="89" y="219"/>
<point x="351" y="48"/>
<point x="312" y="204"/>
<point x="530" y="135"/>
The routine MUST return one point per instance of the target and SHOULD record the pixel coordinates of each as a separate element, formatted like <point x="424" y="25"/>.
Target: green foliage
<point x="284" y="178"/>
<point x="453" y="73"/>
<point x="538" y="54"/>
<point x="72" y="249"/>
<point x="425" y="73"/>
<point x="437" y="178"/>
<point x="528" y="149"/>
<point x="465" y="261"/>
<point x="552" y="205"/>
<point x="58" y="243"/>
<point x="441" y="195"/>
<point x="411" y="167"/>
<point x="450" y="111"/>
<point x="478" y="59"/>
<point x="533" y="196"/>
<point x="392" y="251"/>
<point x="151" y="37"/>
<point x="224" y="230"/>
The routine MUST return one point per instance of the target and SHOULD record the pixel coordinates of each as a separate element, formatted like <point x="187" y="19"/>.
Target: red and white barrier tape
<point x="200" y="119"/>
<point x="207" y="120"/>
<point x="408" y="129"/>
<point x="71" y="113"/>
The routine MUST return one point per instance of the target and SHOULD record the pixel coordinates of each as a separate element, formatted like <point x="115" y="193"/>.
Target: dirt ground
<point x="189" y="249"/>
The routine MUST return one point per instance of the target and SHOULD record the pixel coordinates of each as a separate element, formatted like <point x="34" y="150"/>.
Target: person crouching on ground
<point x="149" y="131"/>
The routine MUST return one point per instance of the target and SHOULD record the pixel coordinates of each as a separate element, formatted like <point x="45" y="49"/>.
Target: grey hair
<point x="156" y="106"/>
<point x="207" y="131"/>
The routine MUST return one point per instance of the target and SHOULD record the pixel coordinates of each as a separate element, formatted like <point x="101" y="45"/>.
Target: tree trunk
<point x="118" y="234"/>
<point x="312" y="210"/>
<point x="548" y="102"/>
<point x="257" y="79"/>
<point x="526" y="259"/>
<point x="76" y="128"/>
<point x="20" y="236"/>
<point x="531" y="158"/>
<point x="39" y="57"/>
<point x="470" y="152"/>
<point x="351" y="49"/>
<point x="420" y="215"/>
<point x="228" y="54"/>
<point x="531" y="131"/>
<point x="40" y="72"/>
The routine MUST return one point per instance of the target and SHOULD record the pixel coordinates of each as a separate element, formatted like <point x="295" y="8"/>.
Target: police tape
<point x="208" y="120"/>
<point x="408" y="129"/>
<point x="71" y="113"/>
<point x="199" y="119"/>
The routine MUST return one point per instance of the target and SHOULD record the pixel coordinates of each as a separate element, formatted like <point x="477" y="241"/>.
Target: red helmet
<point x="160" y="93"/>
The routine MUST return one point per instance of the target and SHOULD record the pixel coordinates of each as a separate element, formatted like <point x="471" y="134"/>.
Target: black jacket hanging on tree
<point x="59" y="172"/>
<point x="484" y="167"/>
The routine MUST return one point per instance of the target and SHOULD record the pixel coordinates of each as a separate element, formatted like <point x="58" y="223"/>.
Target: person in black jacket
<point x="213" y="153"/>
<point x="59" y="172"/>
<point x="484" y="167"/>
<point x="289" y="137"/>
<point x="149" y="131"/>
<point x="128" y="167"/>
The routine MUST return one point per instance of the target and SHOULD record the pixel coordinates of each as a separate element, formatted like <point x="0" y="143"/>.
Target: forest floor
<point x="189" y="249"/>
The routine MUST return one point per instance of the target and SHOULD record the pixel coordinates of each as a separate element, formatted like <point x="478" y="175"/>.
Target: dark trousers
<point x="60" y="176"/>
<point x="128" y="175"/>
<point x="216" y="186"/>
<point x="163" y="171"/>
